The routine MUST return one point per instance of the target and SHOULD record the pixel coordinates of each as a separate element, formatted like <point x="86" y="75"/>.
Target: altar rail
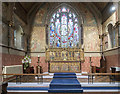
<point x="26" y="74"/>
<point x="19" y="76"/>
<point x="112" y="76"/>
<point x="64" y="54"/>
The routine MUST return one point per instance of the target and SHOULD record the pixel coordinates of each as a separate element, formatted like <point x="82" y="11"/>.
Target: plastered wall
<point x="36" y="29"/>
<point x="111" y="53"/>
<point x="11" y="54"/>
<point x="91" y="35"/>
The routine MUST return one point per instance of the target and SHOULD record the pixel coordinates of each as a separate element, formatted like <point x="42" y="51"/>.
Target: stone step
<point x="65" y="90"/>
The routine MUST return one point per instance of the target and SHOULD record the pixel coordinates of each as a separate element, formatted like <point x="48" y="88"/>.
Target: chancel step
<point x="65" y="83"/>
<point x="59" y="76"/>
<point x="66" y="90"/>
<point x="64" y="74"/>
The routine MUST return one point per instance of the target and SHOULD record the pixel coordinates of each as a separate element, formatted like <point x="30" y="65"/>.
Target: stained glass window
<point x="15" y="38"/>
<point x="114" y="41"/>
<point x="64" y="29"/>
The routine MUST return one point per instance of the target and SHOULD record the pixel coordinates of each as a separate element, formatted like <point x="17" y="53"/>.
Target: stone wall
<point x="9" y="59"/>
<point x="36" y="31"/>
<point x="112" y="61"/>
<point x="112" y="58"/>
<point x="111" y="53"/>
<point x="38" y="41"/>
<point x="86" y="65"/>
<point x="11" y="54"/>
<point x="42" y="63"/>
<point x="90" y="28"/>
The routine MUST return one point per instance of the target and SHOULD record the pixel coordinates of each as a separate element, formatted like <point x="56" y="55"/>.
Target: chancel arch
<point x="64" y="27"/>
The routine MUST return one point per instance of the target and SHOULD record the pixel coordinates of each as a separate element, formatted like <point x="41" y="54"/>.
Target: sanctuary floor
<point x="64" y="93"/>
<point x="48" y="78"/>
<point x="27" y="85"/>
<point x="95" y="88"/>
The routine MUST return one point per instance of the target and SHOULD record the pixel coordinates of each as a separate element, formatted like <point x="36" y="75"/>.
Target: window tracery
<point x="64" y="29"/>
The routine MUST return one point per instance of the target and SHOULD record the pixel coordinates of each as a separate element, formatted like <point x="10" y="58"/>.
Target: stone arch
<point x="109" y="32"/>
<point x="69" y="5"/>
<point x="50" y="8"/>
<point x="55" y="8"/>
<point x="19" y="36"/>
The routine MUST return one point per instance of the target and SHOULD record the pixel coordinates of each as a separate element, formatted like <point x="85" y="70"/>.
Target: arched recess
<point x="109" y="31"/>
<point x="19" y="37"/>
<point x="54" y="19"/>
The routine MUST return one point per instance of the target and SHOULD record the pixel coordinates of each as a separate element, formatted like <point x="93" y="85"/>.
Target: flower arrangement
<point x="26" y="61"/>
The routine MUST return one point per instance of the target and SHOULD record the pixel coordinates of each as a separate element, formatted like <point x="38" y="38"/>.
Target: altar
<point x="64" y="59"/>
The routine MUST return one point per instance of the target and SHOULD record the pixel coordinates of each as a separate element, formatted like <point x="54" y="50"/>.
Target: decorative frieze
<point x="64" y="54"/>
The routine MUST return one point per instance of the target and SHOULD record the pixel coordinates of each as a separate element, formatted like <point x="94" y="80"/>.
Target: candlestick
<point x="90" y="65"/>
<point x="38" y="59"/>
<point x="38" y="67"/>
<point x="90" y="58"/>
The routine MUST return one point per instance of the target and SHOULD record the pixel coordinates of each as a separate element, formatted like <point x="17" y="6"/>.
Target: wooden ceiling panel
<point x="27" y="5"/>
<point x="100" y="5"/>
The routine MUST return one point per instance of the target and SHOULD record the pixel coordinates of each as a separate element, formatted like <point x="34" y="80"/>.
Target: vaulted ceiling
<point x="100" y="5"/>
<point x="28" y="5"/>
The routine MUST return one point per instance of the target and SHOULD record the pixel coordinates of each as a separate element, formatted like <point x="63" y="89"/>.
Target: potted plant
<point x="26" y="62"/>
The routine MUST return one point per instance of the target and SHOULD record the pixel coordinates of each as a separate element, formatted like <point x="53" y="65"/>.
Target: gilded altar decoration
<point x="64" y="54"/>
<point x="64" y="59"/>
<point x="65" y="67"/>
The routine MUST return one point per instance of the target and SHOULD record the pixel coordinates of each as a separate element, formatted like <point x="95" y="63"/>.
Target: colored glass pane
<point x="64" y="10"/>
<point x="64" y="29"/>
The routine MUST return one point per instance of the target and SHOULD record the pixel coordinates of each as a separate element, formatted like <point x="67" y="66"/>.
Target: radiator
<point x="14" y="69"/>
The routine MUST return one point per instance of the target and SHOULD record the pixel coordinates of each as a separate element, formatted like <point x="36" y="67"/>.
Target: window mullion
<point x="60" y="30"/>
<point x="71" y="32"/>
<point x="67" y="30"/>
<point x="55" y="33"/>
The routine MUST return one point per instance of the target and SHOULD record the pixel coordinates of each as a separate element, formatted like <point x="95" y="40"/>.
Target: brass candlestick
<point x="90" y="65"/>
<point x="38" y="64"/>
